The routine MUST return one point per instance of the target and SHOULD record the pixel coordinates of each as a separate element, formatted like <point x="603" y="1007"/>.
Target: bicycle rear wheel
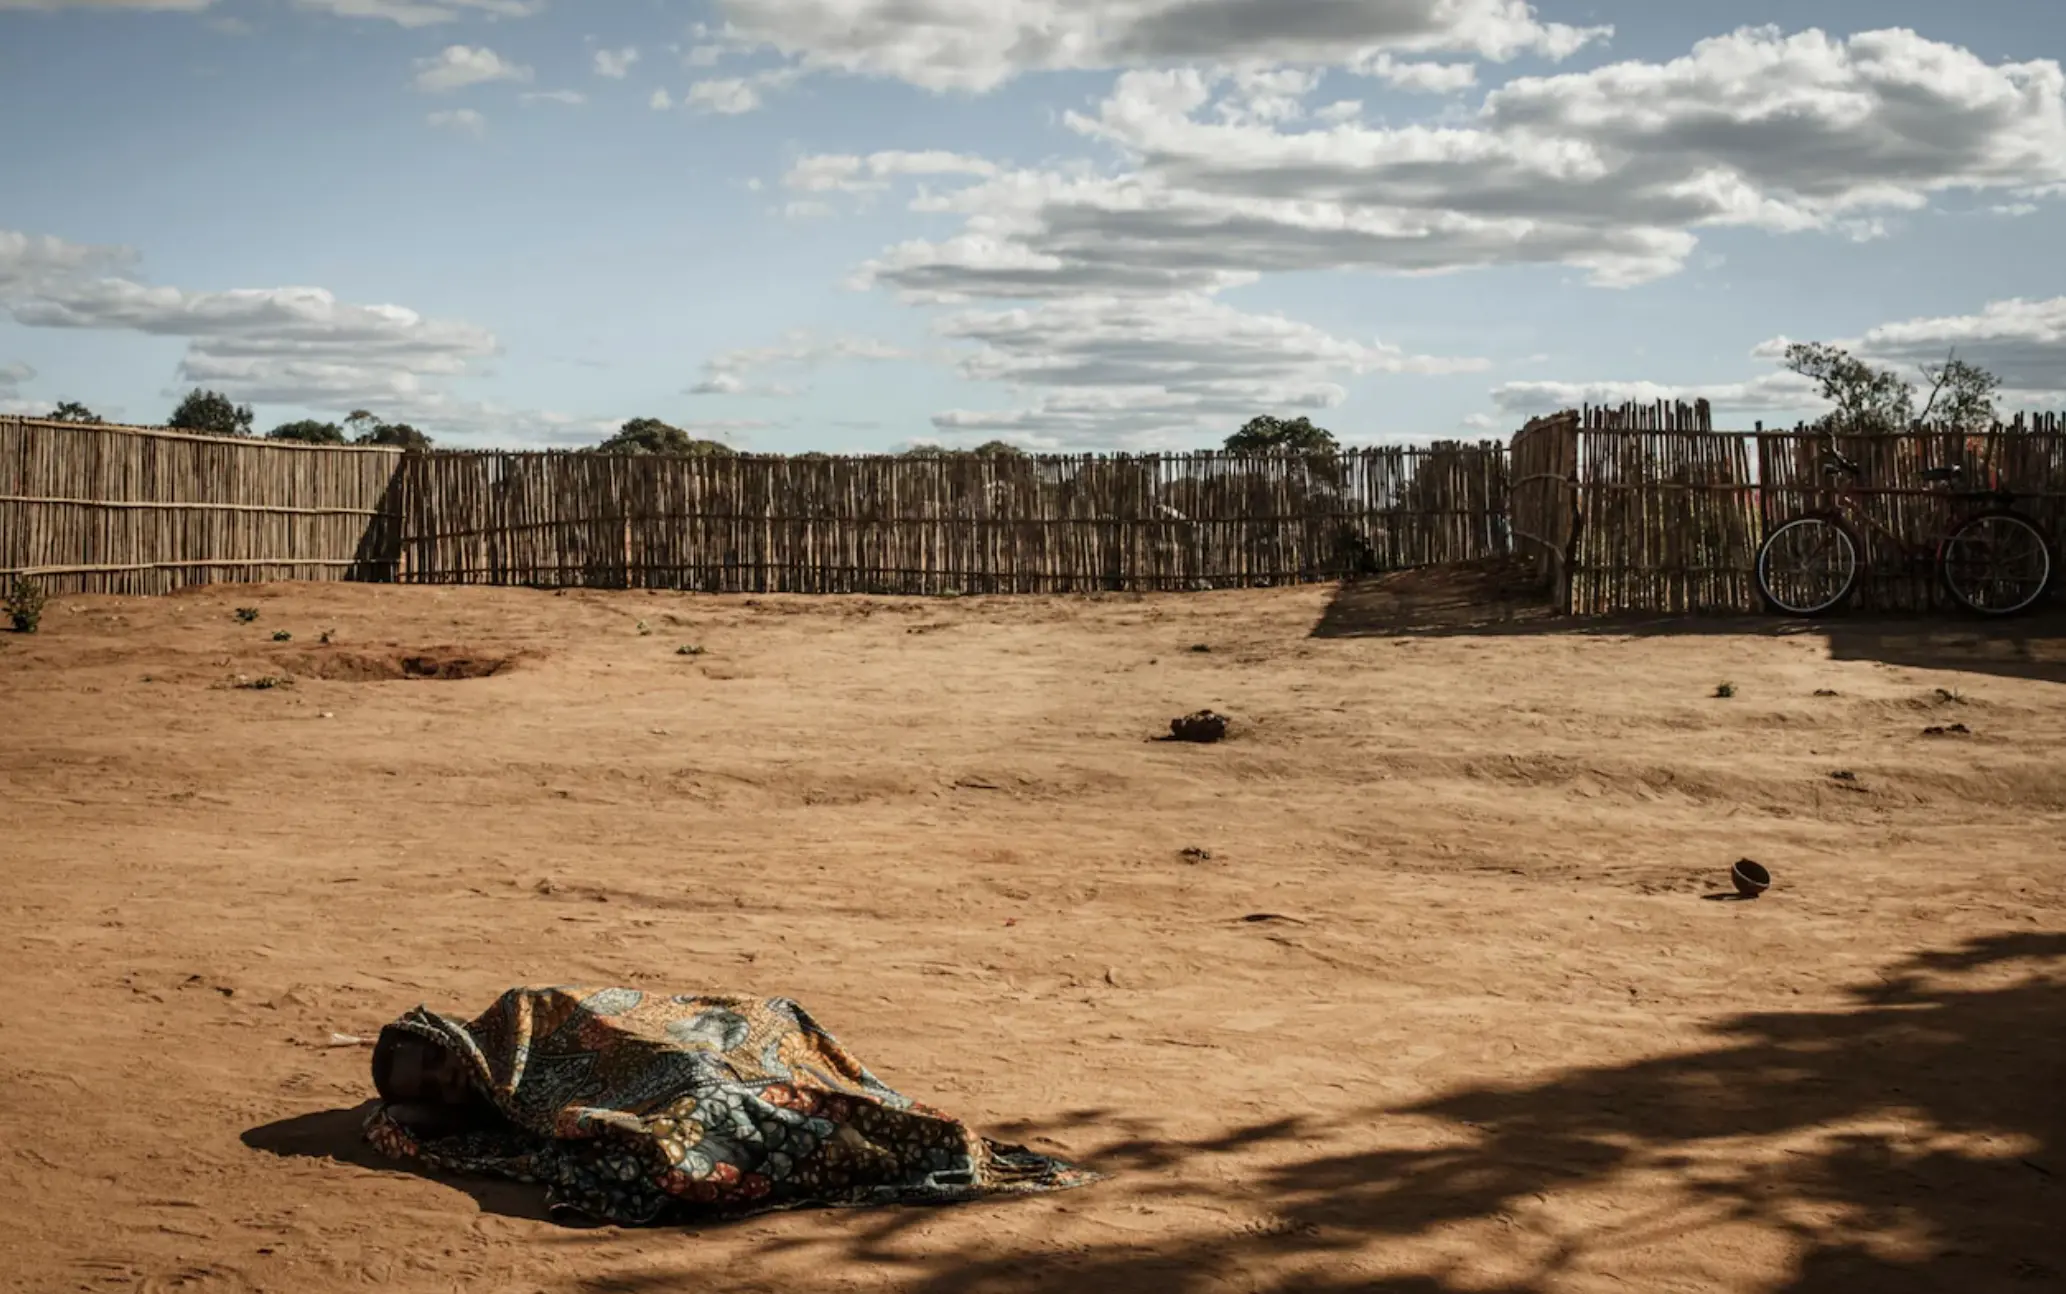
<point x="1809" y="566"/>
<point x="1996" y="564"/>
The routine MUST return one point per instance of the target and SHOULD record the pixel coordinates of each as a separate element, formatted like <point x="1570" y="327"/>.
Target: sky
<point x="1076" y="225"/>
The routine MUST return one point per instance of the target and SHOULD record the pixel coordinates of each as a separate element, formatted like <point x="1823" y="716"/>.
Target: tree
<point x="308" y="432"/>
<point x="399" y="434"/>
<point x="652" y="436"/>
<point x="1268" y="435"/>
<point x="1866" y="398"/>
<point x="1961" y="395"/>
<point x="73" y="411"/>
<point x="212" y="414"/>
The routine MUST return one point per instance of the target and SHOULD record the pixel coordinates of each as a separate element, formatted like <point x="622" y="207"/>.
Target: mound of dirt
<point x="447" y="664"/>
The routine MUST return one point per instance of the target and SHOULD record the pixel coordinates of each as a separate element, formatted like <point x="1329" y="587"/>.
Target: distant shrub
<point x="25" y="606"/>
<point x="245" y="615"/>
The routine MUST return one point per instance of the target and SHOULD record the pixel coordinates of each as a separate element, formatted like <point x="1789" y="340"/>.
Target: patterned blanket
<point x="635" y="1107"/>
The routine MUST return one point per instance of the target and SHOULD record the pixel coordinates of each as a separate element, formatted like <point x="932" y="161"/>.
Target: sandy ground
<point x="1445" y="1009"/>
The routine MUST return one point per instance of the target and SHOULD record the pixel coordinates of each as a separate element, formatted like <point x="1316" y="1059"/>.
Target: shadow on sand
<point x="1923" y="1151"/>
<point x="1498" y="600"/>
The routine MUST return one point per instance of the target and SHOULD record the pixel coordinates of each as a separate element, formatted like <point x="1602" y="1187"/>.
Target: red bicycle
<point x="1991" y="559"/>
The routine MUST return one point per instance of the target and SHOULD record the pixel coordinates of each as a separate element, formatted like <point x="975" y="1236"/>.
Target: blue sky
<point x="1075" y="224"/>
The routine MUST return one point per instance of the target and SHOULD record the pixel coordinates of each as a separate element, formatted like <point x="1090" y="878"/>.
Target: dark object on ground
<point x="1825" y="691"/>
<point x="637" y="1107"/>
<point x="1953" y="730"/>
<point x="1751" y="878"/>
<point x="1725" y="691"/>
<point x="1202" y="727"/>
<point x="1197" y="855"/>
<point x="1202" y="648"/>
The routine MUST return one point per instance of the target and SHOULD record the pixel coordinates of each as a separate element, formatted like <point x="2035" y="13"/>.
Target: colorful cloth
<point x="629" y="1106"/>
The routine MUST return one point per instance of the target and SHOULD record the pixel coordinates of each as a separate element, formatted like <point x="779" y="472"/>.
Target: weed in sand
<point x="282" y="636"/>
<point x="245" y="615"/>
<point x="25" y="606"/>
<point x="688" y="649"/>
<point x="1725" y="691"/>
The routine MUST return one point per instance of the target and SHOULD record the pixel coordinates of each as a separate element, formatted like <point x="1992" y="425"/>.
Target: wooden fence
<point x="1667" y="514"/>
<point x="103" y="509"/>
<point x="945" y="523"/>
<point x="1643" y="508"/>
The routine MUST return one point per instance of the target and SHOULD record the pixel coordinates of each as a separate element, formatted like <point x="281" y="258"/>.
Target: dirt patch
<point x="445" y="664"/>
<point x="1416" y="989"/>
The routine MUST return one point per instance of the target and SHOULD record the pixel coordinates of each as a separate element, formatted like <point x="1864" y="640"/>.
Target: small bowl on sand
<point x="1751" y="879"/>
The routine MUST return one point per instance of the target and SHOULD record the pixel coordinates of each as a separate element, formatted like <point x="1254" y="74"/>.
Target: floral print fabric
<point x="634" y="1107"/>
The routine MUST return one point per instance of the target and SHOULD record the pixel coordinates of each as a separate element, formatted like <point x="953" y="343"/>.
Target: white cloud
<point x="2014" y="210"/>
<point x="730" y="372"/>
<point x="615" y="63"/>
<point x="464" y="120"/>
<point x="980" y="44"/>
<point x="424" y="13"/>
<point x="406" y="13"/>
<point x="807" y="209"/>
<point x="572" y="98"/>
<point x="661" y="101"/>
<point x="457" y="66"/>
<point x="30" y="262"/>
<point x="2023" y="342"/>
<point x="733" y="95"/>
<point x="1421" y="78"/>
<point x="12" y="375"/>
<point x="291" y="345"/>
<point x="1154" y="372"/>
<point x="154" y="6"/>
<point x="848" y="173"/>
<point x="1614" y="171"/>
<point x="1767" y="393"/>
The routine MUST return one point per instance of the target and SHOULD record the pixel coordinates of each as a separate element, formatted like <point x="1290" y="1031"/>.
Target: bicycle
<point x="1991" y="559"/>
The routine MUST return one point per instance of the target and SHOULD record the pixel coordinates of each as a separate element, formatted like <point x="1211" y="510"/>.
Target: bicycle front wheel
<point x="1809" y="566"/>
<point x="1996" y="564"/>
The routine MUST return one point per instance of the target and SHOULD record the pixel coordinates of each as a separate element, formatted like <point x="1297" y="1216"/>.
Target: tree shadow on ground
<point x="1493" y="600"/>
<point x="1913" y="1140"/>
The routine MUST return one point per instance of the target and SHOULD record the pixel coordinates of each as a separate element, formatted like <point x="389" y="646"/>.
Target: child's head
<point x="411" y="1069"/>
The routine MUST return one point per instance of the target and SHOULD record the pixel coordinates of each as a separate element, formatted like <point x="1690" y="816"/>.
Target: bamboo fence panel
<point x="1671" y="512"/>
<point x="944" y="524"/>
<point x="96" y="508"/>
<point x="1542" y="467"/>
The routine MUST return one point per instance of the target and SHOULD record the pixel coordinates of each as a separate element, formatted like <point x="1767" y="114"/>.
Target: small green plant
<point x="325" y="636"/>
<point x="688" y="649"/>
<point x="245" y="615"/>
<point x="263" y="683"/>
<point x="1946" y="696"/>
<point x="644" y="629"/>
<point x="25" y="606"/>
<point x="282" y="636"/>
<point x="1725" y="691"/>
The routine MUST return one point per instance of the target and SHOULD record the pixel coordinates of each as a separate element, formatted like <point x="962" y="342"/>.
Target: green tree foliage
<point x="652" y="436"/>
<point x="1867" y="398"/>
<point x="308" y="432"/>
<point x="365" y="428"/>
<point x="988" y="449"/>
<point x="398" y="434"/>
<point x="73" y="411"/>
<point x="1268" y="435"/>
<point x="211" y="413"/>
<point x="1962" y="395"/>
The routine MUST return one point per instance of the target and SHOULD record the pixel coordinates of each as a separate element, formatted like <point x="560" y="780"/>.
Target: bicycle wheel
<point x="1809" y="566"/>
<point x="1996" y="564"/>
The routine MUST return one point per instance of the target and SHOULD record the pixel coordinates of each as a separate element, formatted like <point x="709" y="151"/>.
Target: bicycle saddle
<point x="1944" y="474"/>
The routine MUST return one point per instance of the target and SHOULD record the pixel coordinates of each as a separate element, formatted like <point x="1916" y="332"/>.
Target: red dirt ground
<point x="1494" y="1037"/>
